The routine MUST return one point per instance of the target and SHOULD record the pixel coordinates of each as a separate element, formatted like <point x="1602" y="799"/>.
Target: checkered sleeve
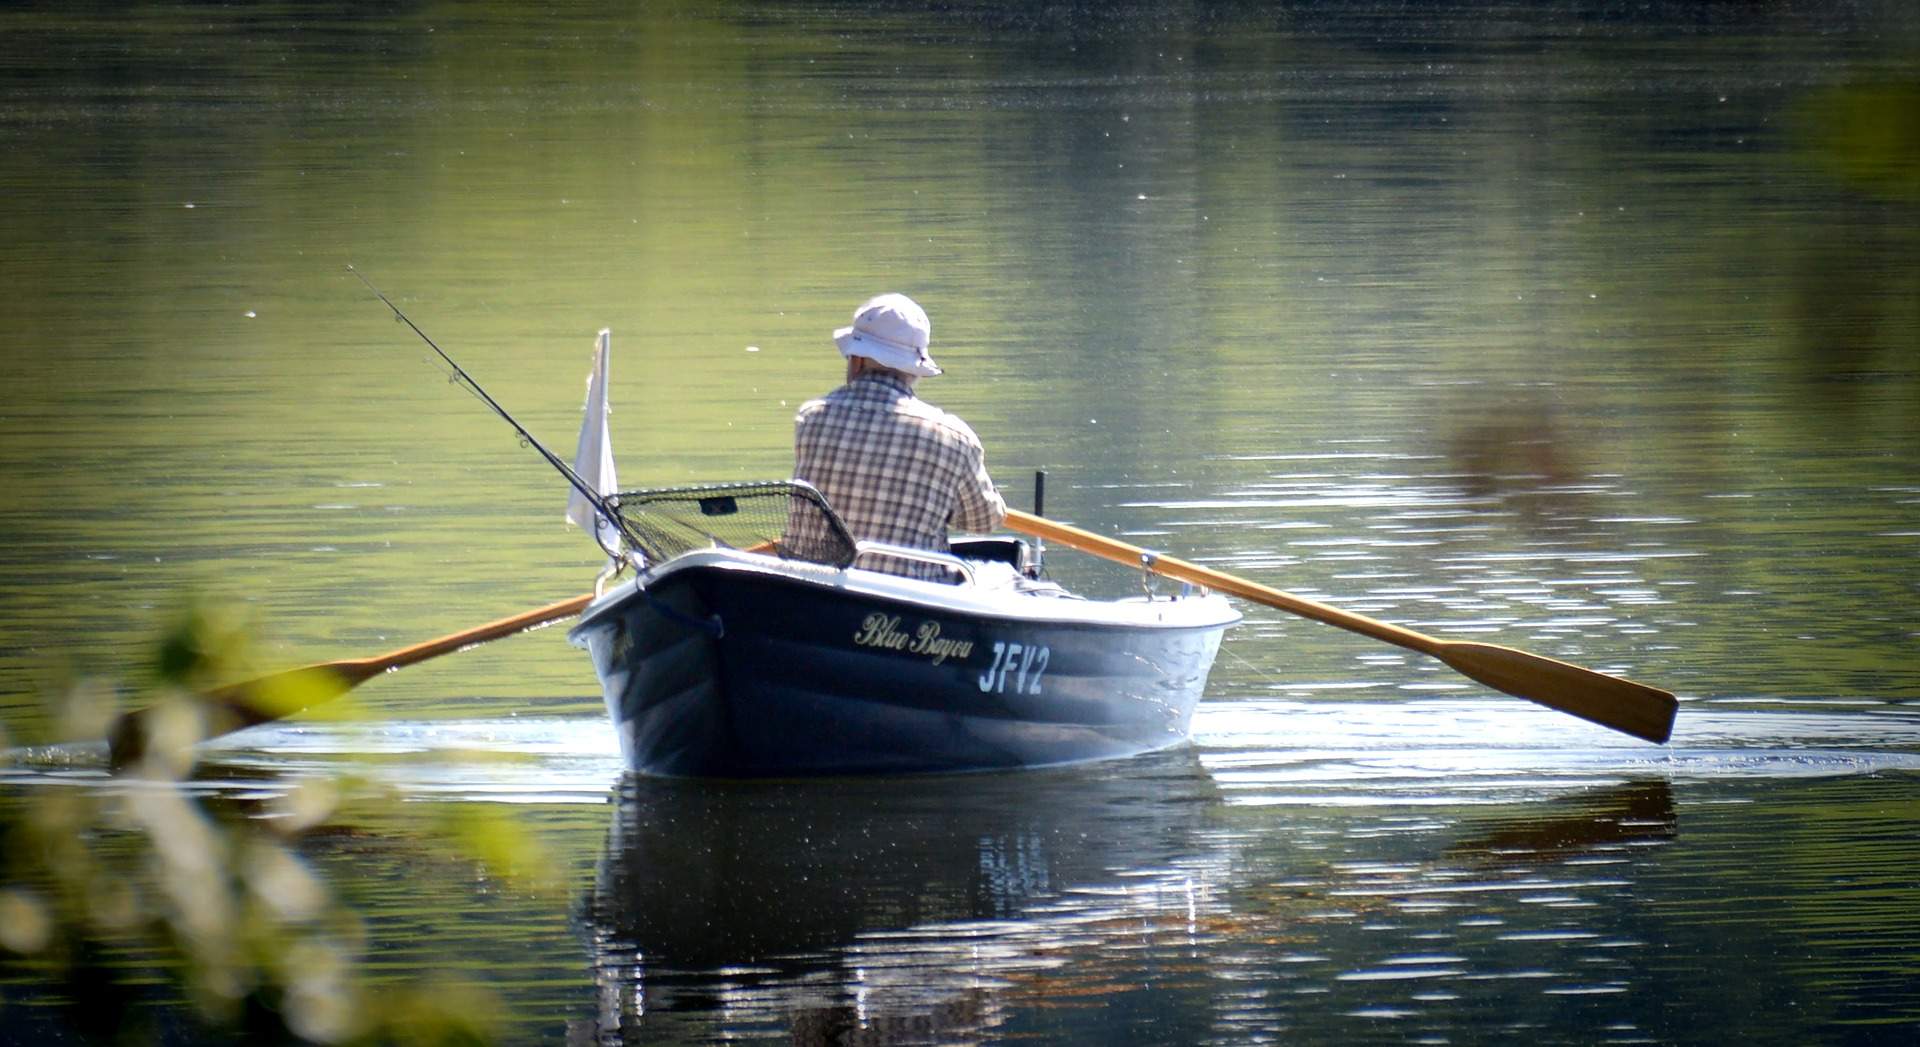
<point x="978" y="506"/>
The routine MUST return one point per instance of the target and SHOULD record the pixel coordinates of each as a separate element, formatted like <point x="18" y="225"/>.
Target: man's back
<point x="896" y="468"/>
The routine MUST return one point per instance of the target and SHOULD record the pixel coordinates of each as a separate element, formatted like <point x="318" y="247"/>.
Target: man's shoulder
<point x="942" y="419"/>
<point x="859" y="397"/>
<point x="819" y="405"/>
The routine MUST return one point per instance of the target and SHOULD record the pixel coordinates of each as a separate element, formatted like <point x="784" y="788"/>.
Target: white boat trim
<point x="994" y="593"/>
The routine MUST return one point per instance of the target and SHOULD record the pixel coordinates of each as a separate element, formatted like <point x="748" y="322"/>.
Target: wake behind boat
<point x="730" y="656"/>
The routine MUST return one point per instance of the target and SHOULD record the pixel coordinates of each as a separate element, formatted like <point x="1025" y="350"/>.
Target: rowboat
<point x="734" y="653"/>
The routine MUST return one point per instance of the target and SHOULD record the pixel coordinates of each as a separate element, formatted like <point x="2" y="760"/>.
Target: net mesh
<point x="668" y="521"/>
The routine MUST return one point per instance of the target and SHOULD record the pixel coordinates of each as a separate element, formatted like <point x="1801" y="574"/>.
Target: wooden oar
<point x="284" y="693"/>
<point x="1623" y="705"/>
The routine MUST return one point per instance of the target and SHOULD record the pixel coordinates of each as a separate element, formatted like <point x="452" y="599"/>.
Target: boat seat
<point x="995" y="548"/>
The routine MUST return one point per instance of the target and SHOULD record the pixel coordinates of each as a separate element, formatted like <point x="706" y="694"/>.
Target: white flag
<point x="593" y="462"/>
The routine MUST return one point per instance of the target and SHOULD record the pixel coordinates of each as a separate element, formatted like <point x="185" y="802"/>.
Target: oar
<point x="285" y="693"/>
<point x="1623" y="705"/>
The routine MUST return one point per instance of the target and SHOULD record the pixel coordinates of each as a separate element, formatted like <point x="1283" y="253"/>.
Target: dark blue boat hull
<point x="718" y="672"/>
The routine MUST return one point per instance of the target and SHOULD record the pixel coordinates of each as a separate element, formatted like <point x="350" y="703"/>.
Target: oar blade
<point x="1610" y="701"/>
<point x="1633" y="708"/>
<point x="282" y="694"/>
<point x="240" y="705"/>
<point x="269" y="698"/>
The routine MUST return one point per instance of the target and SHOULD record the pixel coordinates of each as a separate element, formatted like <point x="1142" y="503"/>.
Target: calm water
<point x="1589" y="331"/>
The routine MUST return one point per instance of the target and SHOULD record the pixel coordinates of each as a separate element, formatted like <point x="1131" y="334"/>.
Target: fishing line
<point x="1272" y="679"/>
<point x="607" y="509"/>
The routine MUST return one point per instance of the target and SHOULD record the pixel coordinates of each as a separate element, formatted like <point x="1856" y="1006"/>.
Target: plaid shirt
<point x="896" y="468"/>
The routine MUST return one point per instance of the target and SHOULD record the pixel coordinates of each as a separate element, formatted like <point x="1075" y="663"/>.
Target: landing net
<point x="786" y="518"/>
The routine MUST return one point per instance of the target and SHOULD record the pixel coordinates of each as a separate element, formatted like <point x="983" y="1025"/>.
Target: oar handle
<point x="1173" y="567"/>
<point x="367" y="668"/>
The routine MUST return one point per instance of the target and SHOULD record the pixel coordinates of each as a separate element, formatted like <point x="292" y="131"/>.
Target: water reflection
<point x="897" y="906"/>
<point x="942" y="910"/>
<point x="1363" y="870"/>
<point x="1631" y="815"/>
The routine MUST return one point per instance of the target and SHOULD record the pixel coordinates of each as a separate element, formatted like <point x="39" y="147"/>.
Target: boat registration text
<point x="1016" y="668"/>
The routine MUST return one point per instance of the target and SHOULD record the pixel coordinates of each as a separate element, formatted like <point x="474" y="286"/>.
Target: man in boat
<point x="896" y="468"/>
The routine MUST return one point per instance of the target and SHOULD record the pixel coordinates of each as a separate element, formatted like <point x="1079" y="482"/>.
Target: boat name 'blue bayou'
<point x="883" y="631"/>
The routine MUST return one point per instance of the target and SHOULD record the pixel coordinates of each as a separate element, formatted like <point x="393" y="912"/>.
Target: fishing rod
<point x="608" y="510"/>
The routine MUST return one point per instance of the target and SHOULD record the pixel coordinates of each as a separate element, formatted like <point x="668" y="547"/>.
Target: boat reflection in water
<point x="895" y="906"/>
<point x="965" y="907"/>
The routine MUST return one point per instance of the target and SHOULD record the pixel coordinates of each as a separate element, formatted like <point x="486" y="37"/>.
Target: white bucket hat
<point x="891" y="330"/>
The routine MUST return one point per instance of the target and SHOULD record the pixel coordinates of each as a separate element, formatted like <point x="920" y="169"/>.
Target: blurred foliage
<point x="152" y="891"/>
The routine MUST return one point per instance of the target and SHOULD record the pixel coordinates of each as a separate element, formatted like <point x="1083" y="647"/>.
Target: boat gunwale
<point x="1004" y="604"/>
